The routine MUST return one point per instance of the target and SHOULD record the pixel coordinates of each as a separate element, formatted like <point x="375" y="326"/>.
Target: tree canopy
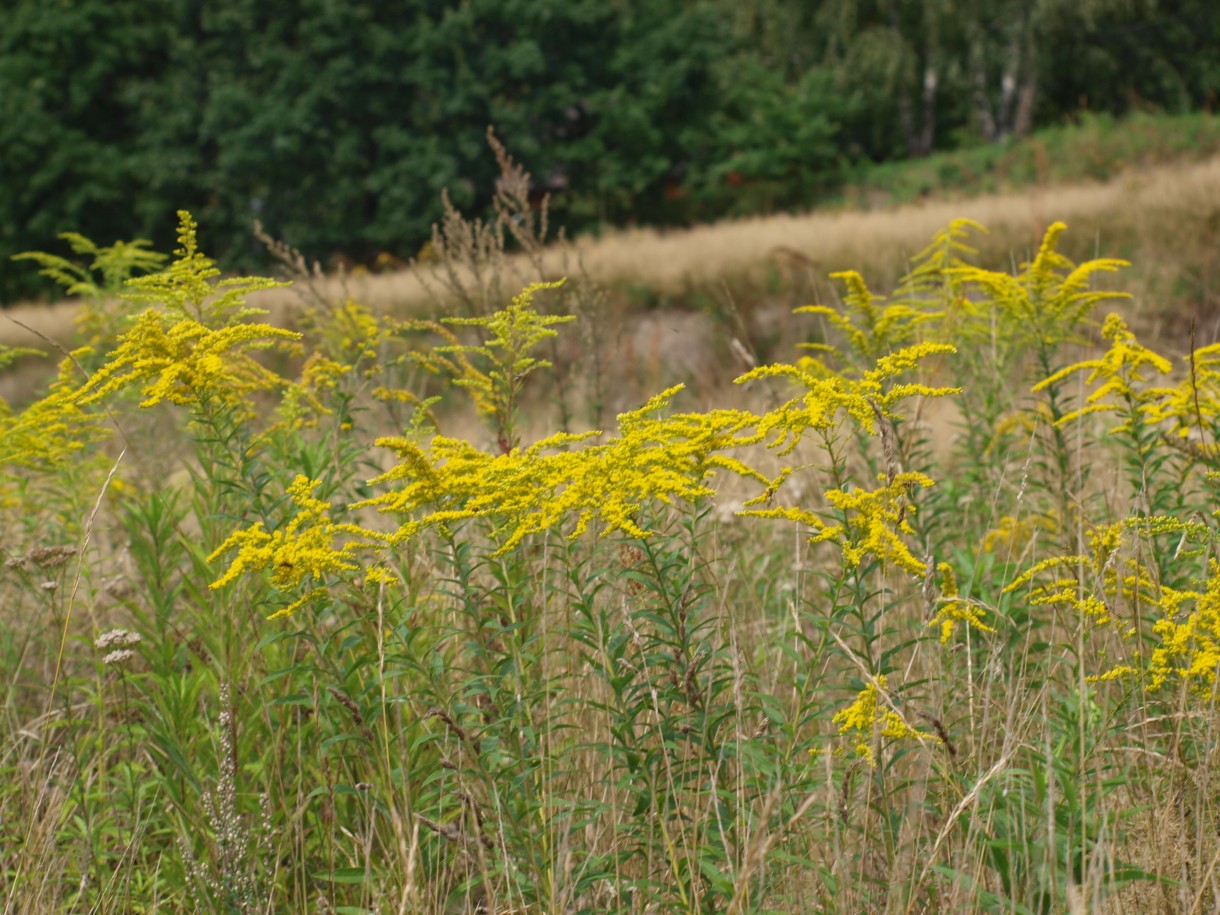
<point x="337" y="123"/>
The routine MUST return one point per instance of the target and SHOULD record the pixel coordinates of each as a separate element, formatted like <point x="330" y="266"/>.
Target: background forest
<point x="337" y="124"/>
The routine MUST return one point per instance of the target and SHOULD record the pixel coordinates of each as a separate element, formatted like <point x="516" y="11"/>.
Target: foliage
<point x="341" y="126"/>
<point x="729" y="660"/>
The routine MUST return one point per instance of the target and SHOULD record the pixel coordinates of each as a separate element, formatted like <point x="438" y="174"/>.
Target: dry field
<point x="961" y="658"/>
<point x="1165" y="219"/>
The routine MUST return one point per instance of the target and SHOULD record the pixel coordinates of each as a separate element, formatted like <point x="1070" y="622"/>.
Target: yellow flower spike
<point x="1196" y="397"/>
<point x="48" y="433"/>
<point x="493" y="372"/>
<point x="872" y="328"/>
<point x="1189" y="635"/>
<point x="1121" y="371"/>
<point x="185" y="362"/>
<point x="302" y="406"/>
<point x="305" y="547"/>
<point x="862" y="400"/>
<point x="876" y="519"/>
<point x="953" y="611"/>
<point x="1046" y="302"/>
<point x="865" y="719"/>
<point x="194" y="343"/>
<point x="526" y="491"/>
<point x="189" y="288"/>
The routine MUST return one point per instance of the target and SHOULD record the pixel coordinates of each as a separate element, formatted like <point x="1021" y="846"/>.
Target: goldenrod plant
<point x="927" y="620"/>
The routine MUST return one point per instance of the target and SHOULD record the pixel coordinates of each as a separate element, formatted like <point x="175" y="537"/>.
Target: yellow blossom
<point x="305" y="546"/>
<point x="872" y="330"/>
<point x="194" y="343"/>
<point x="304" y="401"/>
<point x="866" y="720"/>
<point x="526" y="491"/>
<point x="1189" y="636"/>
<point x="494" y="370"/>
<point x="185" y="362"/>
<point x="864" y="400"/>
<point x="1121" y="371"/>
<point x="1194" y="400"/>
<point x="954" y="610"/>
<point x="1046" y="301"/>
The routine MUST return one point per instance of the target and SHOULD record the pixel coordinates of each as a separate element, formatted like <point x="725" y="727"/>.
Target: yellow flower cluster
<point x="193" y="344"/>
<point x="874" y="520"/>
<point x="1093" y="584"/>
<point x="1047" y="301"/>
<point x="311" y="544"/>
<point x="185" y="362"/>
<point x="1064" y="589"/>
<point x="47" y="433"/>
<point x="529" y="490"/>
<point x="953" y="609"/>
<point x="513" y="333"/>
<point x="1189" y="652"/>
<point x="1121" y="371"/>
<point x="1194" y="400"/>
<point x="1012" y="534"/>
<point x="305" y="401"/>
<point x="872" y="330"/>
<point x="867" y="721"/>
<point x="521" y="491"/>
<point x="864" y="400"/>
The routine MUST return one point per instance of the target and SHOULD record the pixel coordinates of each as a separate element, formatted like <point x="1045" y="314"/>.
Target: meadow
<point x="392" y="611"/>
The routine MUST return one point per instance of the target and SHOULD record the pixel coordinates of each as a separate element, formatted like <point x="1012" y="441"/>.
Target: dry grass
<point x="922" y="832"/>
<point x="1165" y="219"/>
<point x="1157" y="209"/>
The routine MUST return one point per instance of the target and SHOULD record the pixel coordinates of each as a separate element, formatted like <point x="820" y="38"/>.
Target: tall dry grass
<point x="611" y="724"/>
<point x="1164" y="218"/>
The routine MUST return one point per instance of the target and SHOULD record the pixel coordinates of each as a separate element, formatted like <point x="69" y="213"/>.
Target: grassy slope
<point x="1159" y="208"/>
<point x="1095" y="149"/>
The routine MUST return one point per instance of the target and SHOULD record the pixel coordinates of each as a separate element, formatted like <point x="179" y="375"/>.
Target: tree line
<point x="337" y="123"/>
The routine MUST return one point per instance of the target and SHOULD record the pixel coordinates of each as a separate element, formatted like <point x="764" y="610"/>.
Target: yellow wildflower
<point x="868" y="721"/>
<point x="1194" y="400"/>
<point x="864" y="400"/>
<point x="872" y="331"/>
<point x="185" y="362"/>
<point x="1121" y="371"/>
<point x="47" y="433"/>
<point x="513" y="333"/>
<point x="306" y="546"/>
<point x="1013" y="534"/>
<point x="194" y="343"/>
<point x="953" y="610"/>
<point x="303" y="402"/>
<point x="1046" y="301"/>
<point x="874" y="520"/>
<point x="1189" y="649"/>
<point x="525" y="491"/>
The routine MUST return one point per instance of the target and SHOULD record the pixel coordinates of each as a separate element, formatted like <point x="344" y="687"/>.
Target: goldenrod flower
<point x="1189" y="650"/>
<point x="871" y="330"/>
<point x="306" y="546"/>
<point x="506" y="354"/>
<point x="185" y="362"/>
<point x="864" y="400"/>
<point x="526" y="491"/>
<point x="1121" y="371"/>
<point x="47" y="433"/>
<point x="194" y="343"/>
<point x="302" y="404"/>
<point x="867" y="721"/>
<point x="1046" y="302"/>
<point x="954" y="610"/>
